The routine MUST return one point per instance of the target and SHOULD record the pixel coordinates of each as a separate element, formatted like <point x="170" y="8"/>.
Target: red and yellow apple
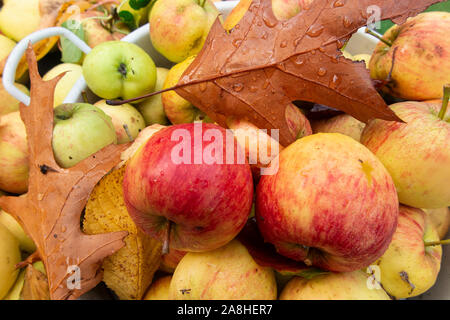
<point x="422" y="57"/>
<point x="226" y="273"/>
<point x="416" y="153"/>
<point x="179" y="188"/>
<point x="13" y="154"/>
<point x="331" y="204"/>
<point x="333" y="286"/>
<point x="178" y="28"/>
<point x="440" y="219"/>
<point x="409" y="267"/>
<point x="344" y="124"/>
<point x="9" y="257"/>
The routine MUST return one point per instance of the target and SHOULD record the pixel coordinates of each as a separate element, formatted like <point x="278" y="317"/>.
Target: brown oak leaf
<point x="258" y="68"/>
<point x="50" y="212"/>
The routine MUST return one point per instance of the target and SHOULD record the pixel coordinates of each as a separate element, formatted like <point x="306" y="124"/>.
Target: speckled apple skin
<point x="407" y="255"/>
<point x="227" y="273"/>
<point x="422" y="57"/>
<point x="416" y="153"/>
<point x="332" y="203"/>
<point x="208" y="204"/>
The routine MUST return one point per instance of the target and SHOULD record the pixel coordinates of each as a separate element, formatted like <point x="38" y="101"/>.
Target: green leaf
<point x="70" y="52"/>
<point x="128" y="18"/>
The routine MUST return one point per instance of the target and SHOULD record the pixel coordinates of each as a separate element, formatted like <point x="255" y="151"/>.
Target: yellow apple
<point x="25" y="242"/>
<point x="16" y="290"/>
<point x="440" y="218"/>
<point x="159" y="290"/>
<point x="152" y="109"/>
<point x="9" y="257"/>
<point x="123" y="115"/>
<point x="19" y="18"/>
<point x="8" y="103"/>
<point x="177" y="109"/>
<point x="6" y="46"/>
<point x="226" y="273"/>
<point x="409" y="267"/>
<point x="333" y="286"/>
<point x="73" y="73"/>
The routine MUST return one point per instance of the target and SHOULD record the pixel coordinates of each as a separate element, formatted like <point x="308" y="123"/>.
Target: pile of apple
<point x="365" y="204"/>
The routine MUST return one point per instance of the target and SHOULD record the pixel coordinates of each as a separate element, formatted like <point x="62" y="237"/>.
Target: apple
<point x="16" y="290"/>
<point x="440" y="219"/>
<point x="170" y="260"/>
<point x="331" y="204"/>
<point x="116" y="69"/>
<point x="409" y="267"/>
<point x="121" y="116"/>
<point x="13" y="154"/>
<point x="80" y="130"/>
<point x="416" y="153"/>
<point x="226" y="273"/>
<point x="96" y="32"/>
<point x="9" y="257"/>
<point x="159" y="289"/>
<point x="19" y="18"/>
<point x="422" y="50"/>
<point x="177" y="109"/>
<point x="343" y="123"/>
<point x="178" y="28"/>
<point x="152" y="109"/>
<point x="8" y="103"/>
<point x="282" y="9"/>
<point x="6" y="46"/>
<point x="25" y="242"/>
<point x="177" y="191"/>
<point x="65" y="84"/>
<point x="333" y="286"/>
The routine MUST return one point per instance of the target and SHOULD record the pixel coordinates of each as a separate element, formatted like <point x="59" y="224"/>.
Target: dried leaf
<point x="50" y="211"/>
<point x="130" y="270"/>
<point x="35" y="286"/>
<point x="258" y="68"/>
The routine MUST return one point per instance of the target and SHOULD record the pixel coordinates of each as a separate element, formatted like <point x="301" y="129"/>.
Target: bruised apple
<point x="226" y="273"/>
<point x="307" y="211"/>
<point x="180" y="188"/>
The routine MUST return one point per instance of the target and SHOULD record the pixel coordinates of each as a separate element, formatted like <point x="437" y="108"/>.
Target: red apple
<point x="332" y="204"/>
<point x="174" y="190"/>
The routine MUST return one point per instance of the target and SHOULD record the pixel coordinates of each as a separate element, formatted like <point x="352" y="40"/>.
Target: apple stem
<point x="379" y="37"/>
<point x="127" y="131"/>
<point x="436" y="243"/>
<point x="165" y="248"/>
<point x="445" y="101"/>
<point x="84" y="95"/>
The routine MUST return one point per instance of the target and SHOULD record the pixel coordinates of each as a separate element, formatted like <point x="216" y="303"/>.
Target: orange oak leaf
<point x="258" y="68"/>
<point x="50" y="212"/>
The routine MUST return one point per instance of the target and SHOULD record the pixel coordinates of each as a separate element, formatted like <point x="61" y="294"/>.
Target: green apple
<point x="19" y="18"/>
<point x="8" y="103"/>
<point x="178" y="109"/>
<point x="80" y="130"/>
<point x="25" y="242"/>
<point x="118" y="69"/>
<point x="178" y="28"/>
<point x="121" y="116"/>
<point x="64" y="85"/>
<point x="13" y="154"/>
<point x="333" y="286"/>
<point x="409" y="267"/>
<point x="9" y="257"/>
<point x="152" y="109"/>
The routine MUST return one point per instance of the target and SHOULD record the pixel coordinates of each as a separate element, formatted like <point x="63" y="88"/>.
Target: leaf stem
<point x="379" y="37"/>
<point x="436" y="243"/>
<point x="443" y="110"/>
